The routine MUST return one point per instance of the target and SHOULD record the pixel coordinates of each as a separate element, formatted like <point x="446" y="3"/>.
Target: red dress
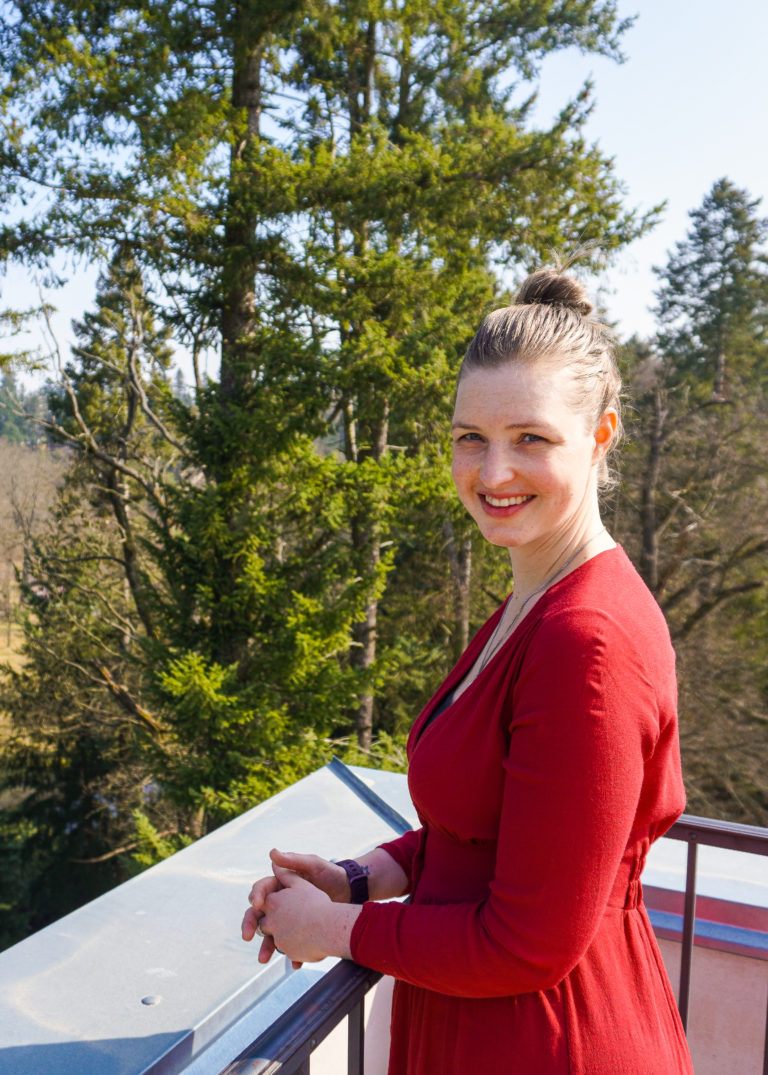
<point x="526" y="948"/>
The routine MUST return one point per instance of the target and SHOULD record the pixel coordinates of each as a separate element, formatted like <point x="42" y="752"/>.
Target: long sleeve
<point x="583" y="720"/>
<point x="404" y="850"/>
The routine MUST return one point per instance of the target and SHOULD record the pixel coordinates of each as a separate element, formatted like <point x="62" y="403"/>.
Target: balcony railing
<point x="696" y="831"/>
<point x="287" y="1045"/>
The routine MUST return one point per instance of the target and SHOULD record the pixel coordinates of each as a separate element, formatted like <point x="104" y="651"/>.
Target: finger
<point x="249" y="924"/>
<point x="267" y="949"/>
<point x="260" y="890"/>
<point x="287" y="878"/>
<point x="288" y="858"/>
<point x="321" y="873"/>
<point x="304" y="865"/>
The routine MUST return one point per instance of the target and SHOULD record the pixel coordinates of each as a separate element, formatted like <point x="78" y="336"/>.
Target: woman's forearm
<point x="386" y="879"/>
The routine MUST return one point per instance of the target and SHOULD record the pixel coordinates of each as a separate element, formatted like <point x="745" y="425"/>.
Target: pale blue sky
<point x="687" y="108"/>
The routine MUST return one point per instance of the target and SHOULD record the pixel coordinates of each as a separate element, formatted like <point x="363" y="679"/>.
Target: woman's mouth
<point x="505" y="501"/>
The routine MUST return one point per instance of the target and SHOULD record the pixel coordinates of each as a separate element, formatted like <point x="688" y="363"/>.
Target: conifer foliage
<point x="330" y="195"/>
<point x="694" y="498"/>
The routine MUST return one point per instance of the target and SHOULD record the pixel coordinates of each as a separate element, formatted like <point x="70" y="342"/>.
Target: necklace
<point x="492" y="649"/>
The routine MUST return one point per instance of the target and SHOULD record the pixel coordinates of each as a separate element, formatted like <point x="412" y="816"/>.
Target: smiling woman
<point x="542" y="769"/>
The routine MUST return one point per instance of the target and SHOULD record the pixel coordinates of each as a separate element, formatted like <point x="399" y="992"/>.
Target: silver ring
<point x="260" y="931"/>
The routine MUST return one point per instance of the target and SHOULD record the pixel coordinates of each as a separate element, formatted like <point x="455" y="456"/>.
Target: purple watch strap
<point x="358" y="880"/>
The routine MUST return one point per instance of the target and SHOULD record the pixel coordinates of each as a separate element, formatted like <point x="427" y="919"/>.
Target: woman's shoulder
<point x="609" y="580"/>
<point x="606" y="598"/>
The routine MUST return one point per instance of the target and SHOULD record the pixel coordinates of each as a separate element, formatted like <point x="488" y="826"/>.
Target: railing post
<point x="689" y="924"/>
<point x="356" y="1039"/>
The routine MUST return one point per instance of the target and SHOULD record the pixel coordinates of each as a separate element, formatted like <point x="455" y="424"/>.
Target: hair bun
<point x="548" y="287"/>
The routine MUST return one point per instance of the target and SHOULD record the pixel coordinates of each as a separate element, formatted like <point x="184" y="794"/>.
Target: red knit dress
<point x="526" y="948"/>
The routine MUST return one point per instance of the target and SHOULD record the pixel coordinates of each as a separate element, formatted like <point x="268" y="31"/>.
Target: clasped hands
<point x="293" y="910"/>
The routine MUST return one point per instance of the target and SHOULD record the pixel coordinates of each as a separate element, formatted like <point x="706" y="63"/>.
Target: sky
<point x="687" y="108"/>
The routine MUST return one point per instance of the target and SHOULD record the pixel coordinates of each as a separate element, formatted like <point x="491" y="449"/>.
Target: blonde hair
<point x="550" y="321"/>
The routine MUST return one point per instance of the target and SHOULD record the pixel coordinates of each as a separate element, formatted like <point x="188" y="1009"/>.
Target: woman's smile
<point x="505" y="501"/>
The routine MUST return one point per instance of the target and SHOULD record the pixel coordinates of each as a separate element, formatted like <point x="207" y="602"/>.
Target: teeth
<point x="506" y="501"/>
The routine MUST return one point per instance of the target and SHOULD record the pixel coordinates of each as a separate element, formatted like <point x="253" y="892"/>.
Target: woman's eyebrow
<point x="533" y="423"/>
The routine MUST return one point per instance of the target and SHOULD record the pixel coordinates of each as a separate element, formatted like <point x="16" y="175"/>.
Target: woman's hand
<point x="303" y="872"/>
<point x="298" y="919"/>
<point x="327" y="876"/>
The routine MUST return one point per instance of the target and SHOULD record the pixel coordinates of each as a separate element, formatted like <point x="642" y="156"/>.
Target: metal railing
<point x="696" y="831"/>
<point x="286" y="1046"/>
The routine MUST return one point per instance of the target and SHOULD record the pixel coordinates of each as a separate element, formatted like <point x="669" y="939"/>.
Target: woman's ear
<point x="605" y="432"/>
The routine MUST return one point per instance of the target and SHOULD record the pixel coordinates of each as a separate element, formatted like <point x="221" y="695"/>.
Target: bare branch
<point x="125" y="848"/>
<point x="138" y="386"/>
<point x="121" y="694"/>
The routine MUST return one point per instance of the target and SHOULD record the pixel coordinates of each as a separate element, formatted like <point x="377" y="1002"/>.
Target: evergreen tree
<point x="712" y="303"/>
<point x="330" y="195"/>
<point x="693" y="503"/>
<point x="74" y="771"/>
<point x="127" y="734"/>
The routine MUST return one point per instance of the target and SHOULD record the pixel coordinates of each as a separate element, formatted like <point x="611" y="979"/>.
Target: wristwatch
<point x="358" y="880"/>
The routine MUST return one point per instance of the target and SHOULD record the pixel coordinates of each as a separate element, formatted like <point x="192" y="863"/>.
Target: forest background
<point x="209" y="589"/>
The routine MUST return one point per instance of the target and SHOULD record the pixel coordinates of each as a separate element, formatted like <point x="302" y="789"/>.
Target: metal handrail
<point x="703" y="830"/>
<point x="286" y="1045"/>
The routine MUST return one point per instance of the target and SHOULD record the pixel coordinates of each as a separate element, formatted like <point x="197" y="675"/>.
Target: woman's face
<point x="524" y="461"/>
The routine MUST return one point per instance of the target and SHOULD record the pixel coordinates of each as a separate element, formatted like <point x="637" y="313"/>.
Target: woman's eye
<point x="468" y="437"/>
<point x="531" y="438"/>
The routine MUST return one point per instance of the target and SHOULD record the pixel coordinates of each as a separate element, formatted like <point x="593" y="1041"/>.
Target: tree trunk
<point x="649" y="550"/>
<point x="720" y="385"/>
<point x="238" y="289"/>
<point x="460" y="562"/>
<point x="366" y="550"/>
<point x="133" y="576"/>
<point x="238" y="314"/>
<point x="364" y="655"/>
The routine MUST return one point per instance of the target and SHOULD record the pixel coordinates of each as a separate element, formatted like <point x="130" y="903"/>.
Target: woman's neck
<point x="534" y="570"/>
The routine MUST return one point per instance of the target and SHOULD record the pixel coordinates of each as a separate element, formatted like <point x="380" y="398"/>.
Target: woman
<point x="543" y="768"/>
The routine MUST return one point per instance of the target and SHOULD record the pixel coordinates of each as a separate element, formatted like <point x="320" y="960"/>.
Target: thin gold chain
<point x="491" y="650"/>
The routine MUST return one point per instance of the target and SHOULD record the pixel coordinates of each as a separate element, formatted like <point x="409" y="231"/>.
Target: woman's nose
<point x="497" y="468"/>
